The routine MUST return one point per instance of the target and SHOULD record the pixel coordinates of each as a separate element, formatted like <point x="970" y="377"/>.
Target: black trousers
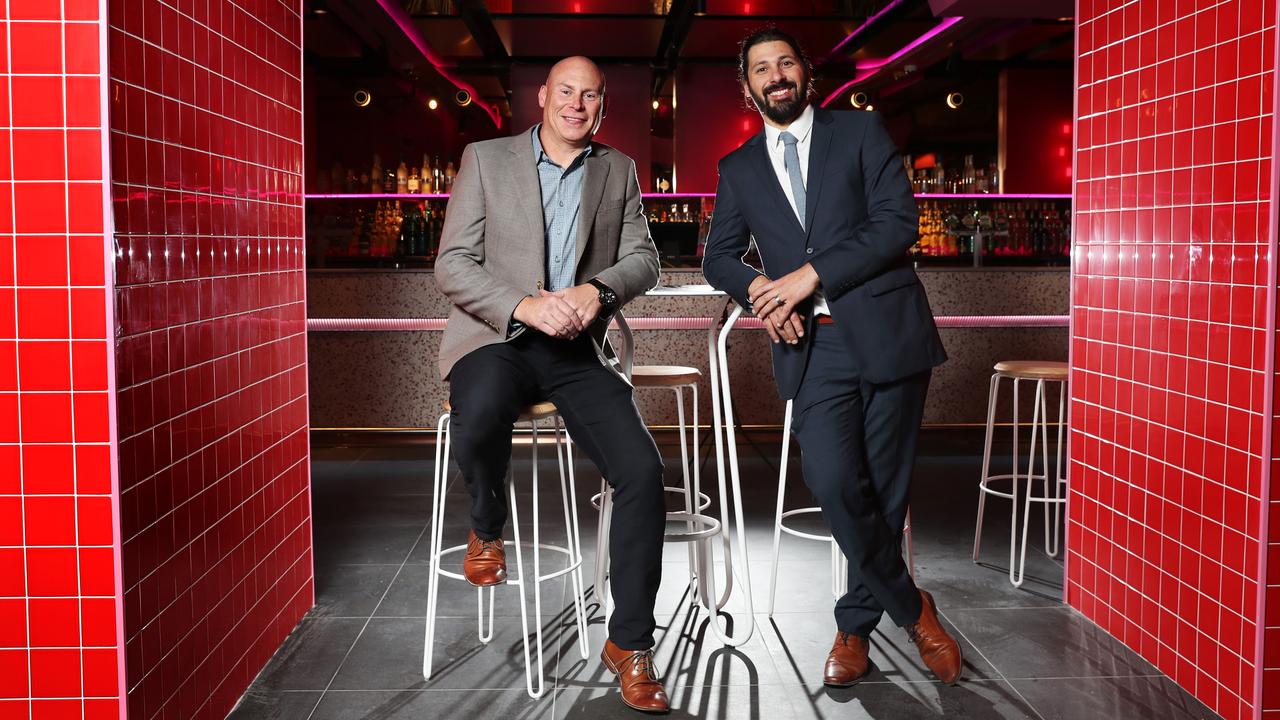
<point x="487" y="389"/>
<point x="858" y="442"/>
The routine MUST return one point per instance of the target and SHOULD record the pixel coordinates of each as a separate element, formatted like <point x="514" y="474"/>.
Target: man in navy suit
<point x="826" y="198"/>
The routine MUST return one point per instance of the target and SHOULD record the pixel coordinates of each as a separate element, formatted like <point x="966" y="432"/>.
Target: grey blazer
<point x="493" y="250"/>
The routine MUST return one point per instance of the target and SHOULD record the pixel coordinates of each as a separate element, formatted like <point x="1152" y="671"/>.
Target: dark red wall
<point x="1035" y="130"/>
<point x="711" y="120"/>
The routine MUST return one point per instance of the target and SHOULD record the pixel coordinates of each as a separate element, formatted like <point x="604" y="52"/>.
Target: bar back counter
<point x="388" y="378"/>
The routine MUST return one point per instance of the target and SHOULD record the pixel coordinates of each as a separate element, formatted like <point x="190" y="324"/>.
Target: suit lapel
<point x="596" y="171"/>
<point x="524" y="172"/>
<point x="769" y="183"/>
<point x="818" y="147"/>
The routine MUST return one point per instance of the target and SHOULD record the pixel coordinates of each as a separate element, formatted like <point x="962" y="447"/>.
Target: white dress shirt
<point x="802" y="129"/>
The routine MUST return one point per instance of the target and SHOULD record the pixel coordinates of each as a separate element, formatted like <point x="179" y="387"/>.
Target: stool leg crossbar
<point x="1053" y="482"/>
<point x="839" y="566"/>
<point x="535" y="683"/>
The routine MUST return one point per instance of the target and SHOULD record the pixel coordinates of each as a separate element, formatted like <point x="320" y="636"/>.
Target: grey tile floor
<point x="358" y="653"/>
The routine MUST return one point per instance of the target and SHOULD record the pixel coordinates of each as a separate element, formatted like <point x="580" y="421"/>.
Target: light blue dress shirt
<point x="561" y="200"/>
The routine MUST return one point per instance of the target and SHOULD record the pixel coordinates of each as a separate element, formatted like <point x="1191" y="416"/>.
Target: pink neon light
<point x="377" y="196"/>
<point x="659" y="196"/>
<point x="867" y="68"/>
<point x="865" y="24"/>
<point x="673" y="323"/>
<point x="405" y="23"/>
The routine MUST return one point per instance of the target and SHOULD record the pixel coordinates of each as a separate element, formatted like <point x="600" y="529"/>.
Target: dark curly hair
<point x="771" y="33"/>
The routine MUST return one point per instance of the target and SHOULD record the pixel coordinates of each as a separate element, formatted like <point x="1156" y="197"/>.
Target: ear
<point x="746" y="93"/>
<point x="604" y="106"/>
<point x="542" y="96"/>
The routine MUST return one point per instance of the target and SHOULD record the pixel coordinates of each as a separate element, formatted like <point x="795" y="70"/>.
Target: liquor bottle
<point x="414" y="183"/>
<point x="374" y="182"/>
<point x="402" y="179"/>
<point x="437" y="177"/>
<point x="449" y="174"/>
<point x="968" y="177"/>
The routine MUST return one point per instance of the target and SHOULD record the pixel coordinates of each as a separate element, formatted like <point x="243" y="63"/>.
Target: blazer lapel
<point x="769" y="183"/>
<point x="524" y="173"/>
<point x="818" y="146"/>
<point x="596" y="171"/>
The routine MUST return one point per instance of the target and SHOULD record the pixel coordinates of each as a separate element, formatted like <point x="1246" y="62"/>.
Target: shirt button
<point x="809" y="251"/>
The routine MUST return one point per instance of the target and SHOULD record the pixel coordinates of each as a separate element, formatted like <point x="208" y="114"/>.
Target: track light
<point x="954" y="100"/>
<point x="655" y="104"/>
<point x="433" y="104"/>
<point x="869" y="108"/>
<point x="858" y="99"/>
<point x="462" y="98"/>
<point x="361" y="98"/>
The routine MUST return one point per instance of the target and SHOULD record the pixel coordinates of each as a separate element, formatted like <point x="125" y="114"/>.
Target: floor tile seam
<point x="997" y="670"/>
<point x="342" y="663"/>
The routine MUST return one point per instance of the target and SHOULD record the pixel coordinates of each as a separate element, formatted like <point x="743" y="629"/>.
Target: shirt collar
<point x="540" y="155"/>
<point x="800" y="127"/>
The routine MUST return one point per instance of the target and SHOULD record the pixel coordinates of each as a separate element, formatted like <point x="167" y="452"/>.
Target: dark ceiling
<point x="430" y="47"/>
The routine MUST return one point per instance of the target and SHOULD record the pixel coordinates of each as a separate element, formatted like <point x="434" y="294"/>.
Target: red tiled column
<point x="1172" y="305"/>
<point x="60" y="643"/>
<point x="206" y="132"/>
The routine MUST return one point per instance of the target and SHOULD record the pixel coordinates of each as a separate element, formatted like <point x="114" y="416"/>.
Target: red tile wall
<point x="206" y="159"/>
<point x="1170" y="317"/>
<point x="60" y="645"/>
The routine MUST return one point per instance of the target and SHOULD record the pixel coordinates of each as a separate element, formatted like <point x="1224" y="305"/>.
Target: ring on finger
<point x="778" y="299"/>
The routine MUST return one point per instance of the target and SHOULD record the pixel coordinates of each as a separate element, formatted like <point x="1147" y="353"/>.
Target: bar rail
<point x="675" y="323"/>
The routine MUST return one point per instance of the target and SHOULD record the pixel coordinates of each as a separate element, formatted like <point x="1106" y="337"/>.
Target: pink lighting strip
<point x="858" y="30"/>
<point x="405" y="23"/>
<point x="673" y="323"/>
<point x="693" y="195"/>
<point x="867" y="68"/>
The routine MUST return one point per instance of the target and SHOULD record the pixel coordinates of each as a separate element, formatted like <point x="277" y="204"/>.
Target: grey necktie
<point x="791" y="158"/>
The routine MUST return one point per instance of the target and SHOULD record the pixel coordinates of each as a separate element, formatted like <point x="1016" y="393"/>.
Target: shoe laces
<point x="487" y="546"/>
<point x="642" y="663"/>
<point x="913" y="632"/>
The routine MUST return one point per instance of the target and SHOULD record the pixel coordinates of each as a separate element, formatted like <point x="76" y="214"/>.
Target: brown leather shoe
<point x="848" y="661"/>
<point x="486" y="561"/>
<point x="940" y="651"/>
<point x="641" y="689"/>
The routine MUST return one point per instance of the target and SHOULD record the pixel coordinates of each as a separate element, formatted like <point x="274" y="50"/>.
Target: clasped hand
<point x="775" y="302"/>
<point x="562" y="314"/>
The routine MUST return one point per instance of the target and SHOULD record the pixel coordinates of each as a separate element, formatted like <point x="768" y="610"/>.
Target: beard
<point x="782" y="112"/>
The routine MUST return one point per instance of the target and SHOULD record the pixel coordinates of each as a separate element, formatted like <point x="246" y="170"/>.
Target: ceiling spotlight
<point x="320" y="11"/>
<point x="858" y="99"/>
<point x="869" y="108"/>
<point x="655" y="104"/>
<point x="433" y="104"/>
<point x="954" y="100"/>
<point x="462" y="98"/>
<point x="361" y="98"/>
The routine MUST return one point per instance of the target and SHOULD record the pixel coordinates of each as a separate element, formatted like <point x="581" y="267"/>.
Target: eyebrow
<point x="784" y="56"/>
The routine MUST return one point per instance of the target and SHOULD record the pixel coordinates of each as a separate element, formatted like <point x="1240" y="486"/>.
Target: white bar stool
<point x="1041" y="372"/>
<point x="699" y="528"/>
<point x="573" y="552"/>
<point x="839" y="566"/>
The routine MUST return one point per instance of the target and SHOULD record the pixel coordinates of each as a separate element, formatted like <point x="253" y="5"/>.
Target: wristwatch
<point x="608" y="298"/>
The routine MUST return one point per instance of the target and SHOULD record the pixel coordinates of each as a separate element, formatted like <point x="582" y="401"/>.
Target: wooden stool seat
<point x="1033" y="369"/>
<point x="664" y="375"/>
<point x="536" y="411"/>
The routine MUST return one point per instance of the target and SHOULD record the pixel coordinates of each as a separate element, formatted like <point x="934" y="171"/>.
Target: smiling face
<point x="776" y="81"/>
<point x="572" y="101"/>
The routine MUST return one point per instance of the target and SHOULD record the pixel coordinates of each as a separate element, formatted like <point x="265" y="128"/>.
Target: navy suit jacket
<point x="862" y="224"/>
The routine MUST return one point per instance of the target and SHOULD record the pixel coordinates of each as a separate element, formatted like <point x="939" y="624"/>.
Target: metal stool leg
<point x="568" y="494"/>
<point x="992" y="397"/>
<point x="777" y="517"/>
<point x="1017" y="572"/>
<point x="436" y="530"/>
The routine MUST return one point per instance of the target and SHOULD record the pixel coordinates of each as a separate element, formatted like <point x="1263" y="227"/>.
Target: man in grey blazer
<point x="544" y="238"/>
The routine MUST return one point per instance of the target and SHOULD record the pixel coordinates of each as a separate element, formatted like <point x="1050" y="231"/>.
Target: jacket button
<point x="538" y="284"/>
<point x="808" y="251"/>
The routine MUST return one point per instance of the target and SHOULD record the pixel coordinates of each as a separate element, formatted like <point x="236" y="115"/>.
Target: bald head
<point x="572" y="103"/>
<point x="578" y="66"/>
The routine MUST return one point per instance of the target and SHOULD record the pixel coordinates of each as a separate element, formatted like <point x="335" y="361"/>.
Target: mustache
<point x="780" y="85"/>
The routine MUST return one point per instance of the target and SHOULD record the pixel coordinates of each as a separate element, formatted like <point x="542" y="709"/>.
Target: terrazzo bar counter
<point x="388" y="379"/>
